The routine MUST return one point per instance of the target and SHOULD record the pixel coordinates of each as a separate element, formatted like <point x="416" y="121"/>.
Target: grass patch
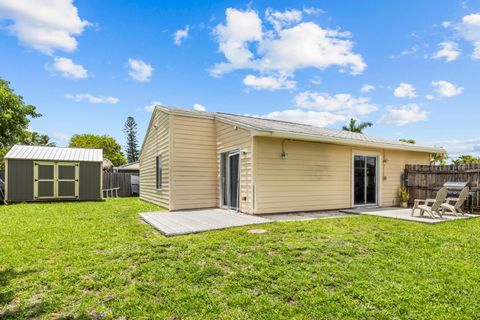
<point x="98" y="260"/>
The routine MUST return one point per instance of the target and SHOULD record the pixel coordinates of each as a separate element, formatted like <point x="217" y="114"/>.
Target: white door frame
<point x="378" y="174"/>
<point x="55" y="179"/>
<point x="227" y="179"/>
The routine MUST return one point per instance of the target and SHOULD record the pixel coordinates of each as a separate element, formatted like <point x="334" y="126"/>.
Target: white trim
<point x="378" y="177"/>
<point x="6" y="180"/>
<point x="233" y="152"/>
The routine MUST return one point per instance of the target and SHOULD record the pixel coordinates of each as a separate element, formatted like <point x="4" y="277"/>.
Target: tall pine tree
<point x="130" y="129"/>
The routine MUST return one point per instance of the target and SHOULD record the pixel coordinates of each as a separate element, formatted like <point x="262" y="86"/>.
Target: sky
<point x="412" y="68"/>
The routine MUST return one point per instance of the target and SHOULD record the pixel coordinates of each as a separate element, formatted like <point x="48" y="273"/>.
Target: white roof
<point x="54" y="153"/>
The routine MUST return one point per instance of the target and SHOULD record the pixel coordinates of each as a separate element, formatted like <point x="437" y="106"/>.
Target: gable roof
<point x="129" y="166"/>
<point x="292" y="130"/>
<point x="54" y="153"/>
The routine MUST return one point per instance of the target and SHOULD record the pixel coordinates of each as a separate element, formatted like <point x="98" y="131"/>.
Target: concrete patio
<point x="405" y="214"/>
<point x="193" y="221"/>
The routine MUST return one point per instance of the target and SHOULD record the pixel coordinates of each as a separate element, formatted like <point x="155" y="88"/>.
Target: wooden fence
<point x="423" y="181"/>
<point x="118" y="180"/>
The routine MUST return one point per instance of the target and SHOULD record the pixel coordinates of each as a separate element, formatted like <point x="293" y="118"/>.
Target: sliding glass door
<point x="230" y="179"/>
<point x="365" y="180"/>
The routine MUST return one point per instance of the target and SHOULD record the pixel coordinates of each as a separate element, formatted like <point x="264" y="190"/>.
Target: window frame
<point x="158" y="172"/>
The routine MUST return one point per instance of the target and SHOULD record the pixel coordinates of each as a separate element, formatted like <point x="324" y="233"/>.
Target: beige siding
<point x="393" y="169"/>
<point x="194" y="166"/>
<point x="157" y="142"/>
<point x="318" y="176"/>
<point x="229" y="138"/>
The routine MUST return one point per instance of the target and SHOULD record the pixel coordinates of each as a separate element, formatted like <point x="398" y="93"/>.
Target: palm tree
<point x="36" y="139"/>
<point x="466" y="159"/>
<point x="353" y="127"/>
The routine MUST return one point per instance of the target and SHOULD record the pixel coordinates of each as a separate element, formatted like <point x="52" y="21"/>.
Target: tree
<point x="466" y="159"/>
<point x="111" y="149"/>
<point x="407" y="141"/>
<point x="36" y="139"/>
<point x="14" y="118"/>
<point x="353" y="127"/>
<point x="130" y="129"/>
<point x="439" y="158"/>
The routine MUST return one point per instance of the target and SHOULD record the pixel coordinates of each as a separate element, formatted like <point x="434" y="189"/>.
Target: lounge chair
<point x="456" y="207"/>
<point x="431" y="206"/>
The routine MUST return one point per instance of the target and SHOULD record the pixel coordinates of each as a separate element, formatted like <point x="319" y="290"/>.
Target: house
<point x="132" y="168"/>
<point x="38" y="173"/>
<point x="192" y="159"/>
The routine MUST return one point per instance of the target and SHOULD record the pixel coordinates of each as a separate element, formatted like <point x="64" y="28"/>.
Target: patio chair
<point x="431" y="206"/>
<point x="456" y="207"/>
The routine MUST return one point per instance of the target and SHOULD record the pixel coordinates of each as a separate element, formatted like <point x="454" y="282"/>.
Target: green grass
<point x="93" y="260"/>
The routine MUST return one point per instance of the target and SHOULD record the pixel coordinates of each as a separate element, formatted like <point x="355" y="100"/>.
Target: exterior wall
<point x="193" y="167"/>
<point x="157" y="142"/>
<point x="393" y="170"/>
<point x="230" y="137"/>
<point x="19" y="180"/>
<point x="90" y="187"/>
<point x="318" y="176"/>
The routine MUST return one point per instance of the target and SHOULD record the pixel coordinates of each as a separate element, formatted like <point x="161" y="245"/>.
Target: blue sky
<point x="88" y="65"/>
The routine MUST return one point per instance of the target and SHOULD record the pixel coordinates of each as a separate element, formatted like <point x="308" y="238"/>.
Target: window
<point x="158" y="170"/>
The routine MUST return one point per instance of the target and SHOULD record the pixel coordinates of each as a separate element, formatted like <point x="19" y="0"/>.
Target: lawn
<point x="98" y="260"/>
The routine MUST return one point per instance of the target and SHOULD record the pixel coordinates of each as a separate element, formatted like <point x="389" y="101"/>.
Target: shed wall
<point x="19" y="180"/>
<point x="90" y="187"/>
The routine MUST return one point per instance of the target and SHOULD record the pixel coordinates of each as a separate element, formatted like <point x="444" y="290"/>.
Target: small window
<point x="158" y="167"/>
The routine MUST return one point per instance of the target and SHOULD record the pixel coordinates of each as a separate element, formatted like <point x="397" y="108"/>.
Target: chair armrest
<point x="451" y="200"/>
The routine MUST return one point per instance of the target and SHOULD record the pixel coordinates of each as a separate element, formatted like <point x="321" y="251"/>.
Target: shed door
<point x="67" y="179"/>
<point x="55" y="180"/>
<point x="44" y="180"/>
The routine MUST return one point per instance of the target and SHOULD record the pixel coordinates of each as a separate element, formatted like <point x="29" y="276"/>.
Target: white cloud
<point x="366" y="88"/>
<point x="456" y="147"/>
<point x="289" y="46"/>
<point x="268" y="82"/>
<point x="279" y="19"/>
<point x="181" y="34"/>
<point x="446" y="89"/>
<point x="448" y="50"/>
<point x="469" y="29"/>
<point x="446" y="24"/>
<point x="91" y="98"/>
<point x="60" y="136"/>
<point x="313" y="11"/>
<point x="151" y="106"/>
<point x="44" y="25"/>
<point x="405" y="90"/>
<point x="316" y="118"/>
<point x="240" y="28"/>
<point x="429" y="97"/>
<point x="140" y="70"/>
<point x="308" y="45"/>
<point x="343" y="103"/>
<point x="68" y="69"/>
<point x="403" y="115"/>
<point x="199" y="107"/>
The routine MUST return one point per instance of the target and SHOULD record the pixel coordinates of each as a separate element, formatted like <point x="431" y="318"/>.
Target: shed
<point x="39" y="173"/>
